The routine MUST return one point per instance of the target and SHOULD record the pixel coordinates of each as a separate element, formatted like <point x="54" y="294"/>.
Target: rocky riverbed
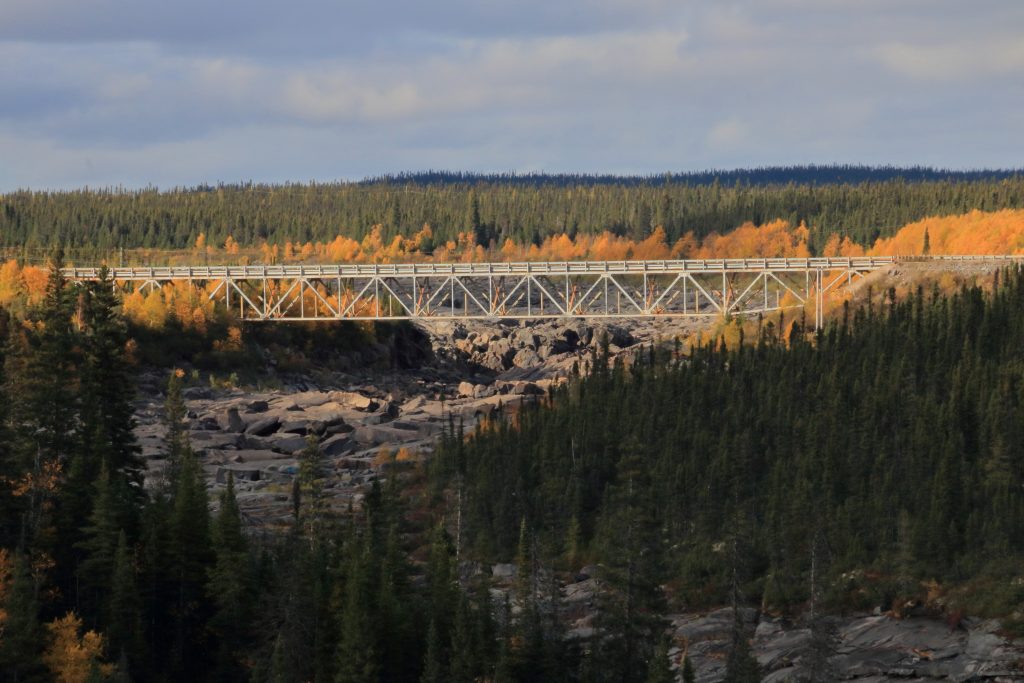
<point x="357" y="416"/>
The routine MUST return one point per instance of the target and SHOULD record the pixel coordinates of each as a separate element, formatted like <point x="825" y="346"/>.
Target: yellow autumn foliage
<point x="71" y="657"/>
<point x="976" y="232"/>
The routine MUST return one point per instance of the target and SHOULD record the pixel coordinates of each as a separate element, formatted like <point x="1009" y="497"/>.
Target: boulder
<point x="290" y="445"/>
<point x="526" y="358"/>
<point x="257" y="407"/>
<point x="381" y="434"/>
<point x="231" y="421"/>
<point x="263" y="427"/>
<point x="295" y="427"/>
<point x="208" y="423"/>
<point x="341" y="427"/>
<point x="413" y="404"/>
<point x="500" y="354"/>
<point x="523" y="338"/>
<point x="618" y="336"/>
<point x="466" y="389"/>
<point x="354" y="400"/>
<point x="565" y="340"/>
<point x="339" y="444"/>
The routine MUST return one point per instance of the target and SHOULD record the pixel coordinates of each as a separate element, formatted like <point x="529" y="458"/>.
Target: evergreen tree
<point x="230" y="587"/>
<point x="190" y="551"/>
<point x="123" y="617"/>
<point x="463" y="657"/>
<point x="740" y="665"/>
<point x="107" y="417"/>
<point x="357" y="656"/>
<point x="660" y="669"/>
<point x="99" y="546"/>
<point x="630" y="610"/>
<point x="21" y="644"/>
<point x="433" y="662"/>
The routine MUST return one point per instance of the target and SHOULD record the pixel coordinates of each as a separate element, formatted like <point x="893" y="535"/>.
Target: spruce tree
<point x="357" y="652"/>
<point x="108" y="415"/>
<point x="230" y="587"/>
<point x="189" y="548"/>
<point x="99" y="546"/>
<point x="21" y="644"/>
<point x="434" y="670"/>
<point x="660" y="668"/>
<point x="630" y="610"/>
<point x="123" y="614"/>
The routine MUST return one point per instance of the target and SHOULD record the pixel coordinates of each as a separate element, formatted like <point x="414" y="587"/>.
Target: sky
<point x="135" y="93"/>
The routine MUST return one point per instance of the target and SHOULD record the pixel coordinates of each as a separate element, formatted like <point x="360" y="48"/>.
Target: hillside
<point x="860" y="204"/>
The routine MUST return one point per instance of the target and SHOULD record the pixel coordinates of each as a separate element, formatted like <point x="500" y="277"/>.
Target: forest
<point x="878" y="451"/>
<point x="856" y="203"/>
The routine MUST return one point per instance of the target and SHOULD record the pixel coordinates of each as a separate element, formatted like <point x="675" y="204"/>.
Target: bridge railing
<point x="477" y="269"/>
<point x="348" y="270"/>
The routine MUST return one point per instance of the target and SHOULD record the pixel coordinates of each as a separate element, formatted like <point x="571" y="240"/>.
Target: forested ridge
<point x="882" y="451"/>
<point x="857" y="203"/>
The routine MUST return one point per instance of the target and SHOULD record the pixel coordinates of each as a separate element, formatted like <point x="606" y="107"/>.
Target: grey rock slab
<point x="781" y="648"/>
<point x="383" y="434"/>
<point x="259" y="406"/>
<point x="354" y="400"/>
<point x="337" y="445"/>
<point x="263" y="426"/>
<point x="247" y="455"/>
<point x="413" y="404"/>
<point x="295" y="427"/>
<point x="290" y="444"/>
<point x="307" y="399"/>
<point x="206" y="440"/>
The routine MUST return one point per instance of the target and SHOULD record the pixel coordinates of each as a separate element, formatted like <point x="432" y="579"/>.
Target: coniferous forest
<point x="882" y="451"/>
<point x="860" y="203"/>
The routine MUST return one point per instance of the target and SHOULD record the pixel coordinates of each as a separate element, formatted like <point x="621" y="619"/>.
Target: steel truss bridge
<point x="440" y="291"/>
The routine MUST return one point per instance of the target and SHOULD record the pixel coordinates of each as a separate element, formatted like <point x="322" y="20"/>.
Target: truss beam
<point x="534" y="290"/>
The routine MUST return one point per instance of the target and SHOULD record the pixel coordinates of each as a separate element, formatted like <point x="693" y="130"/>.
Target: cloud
<point x="955" y="61"/>
<point x="140" y="91"/>
<point x="727" y="135"/>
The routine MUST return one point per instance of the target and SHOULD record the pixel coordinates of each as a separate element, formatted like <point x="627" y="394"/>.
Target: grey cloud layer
<point x="120" y="92"/>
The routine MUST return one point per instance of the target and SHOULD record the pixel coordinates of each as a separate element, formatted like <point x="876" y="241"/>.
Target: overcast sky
<point x="180" y="92"/>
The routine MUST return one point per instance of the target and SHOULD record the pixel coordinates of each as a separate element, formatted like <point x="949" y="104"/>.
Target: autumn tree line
<point x="859" y="204"/>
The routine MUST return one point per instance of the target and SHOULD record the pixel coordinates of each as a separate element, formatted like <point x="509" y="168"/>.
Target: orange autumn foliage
<point x="35" y="283"/>
<point x="71" y="657"/>
<point x="976" y="232"/>
<point x="775" y="239"/>
<point x="836" y="246"/>
<point x="11" y="284"/>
